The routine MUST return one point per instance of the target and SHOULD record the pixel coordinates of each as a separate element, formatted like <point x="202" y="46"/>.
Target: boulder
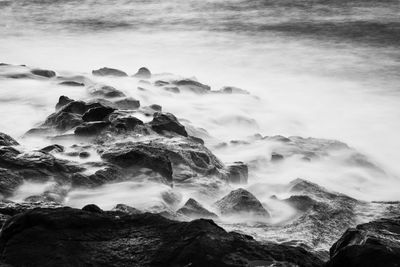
<point x="376" y="243"/>
<point x="275" y="157"/>
<point x="109" y="72"/>
<point x="143" y="73"/>
<point x="73" y="237"/>
<point x="167" y="122"/>
<point x="194" y="209"/>
<point x="92" y="208"/>
<point x="43" y="73"/>
<point x="71" y="83"/>
<point x="192" y="86"/>
<point x="106" y="91"/>
<point x="238" y="173"/>
<point x="127" y="103"/>
<point x="97" y="113"/>
<point x="241" y="201"/>
<point x="91" y="128"/>
<point x="124" y="121"/>
<point x="156" y="107"/>
<point x="6" y="140"/>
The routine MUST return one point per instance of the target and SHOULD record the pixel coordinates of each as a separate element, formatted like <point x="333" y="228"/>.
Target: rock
<point x="172" y="89"/>
<point x="124" y="122"/>
<point x="127" y="103"/>
<point x="171" y="198"/>
<point x="167" y="122"/>
<point x="126" y="209"/>
<point x="192" y="86"/>
<point x="143" y="73"/>
<point x="376" y="243"/>
<point x="92" y="208"/>
<point x="194" y="209"/>
<point x="62" y="101"/>
<point x="91" y="128"/>
<point x="53" y="148"/>
<point x="84" y="155"/>
<point x="241" y="201"/>
<point x="160" y="83"/>
<point x="238" y="173"/>
<point x="9" y="182"/>
<point x="156" y="107"/>
<point x="73" y="237"/>
<point x="275" y="157"/>
<point x="44" y="73"/>
<point x="6" y="140"/>
<point x="97" y="113"/>
<point x="300" y="202"/>
<point x="137" y="155"/>
<point x="71" y="83"/>
<point x="109" y="72"/>
<point x="105" y="91"/>
<point x="233" y="90"/>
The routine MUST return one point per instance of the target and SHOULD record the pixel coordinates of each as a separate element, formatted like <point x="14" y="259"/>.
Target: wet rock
<point x="97" y="113"/>
<point x="71" y="83"/>
<point x="92" y="208"/>
<point x="194" y="209"/>
<point x="156" y="107"/>
<point x="109" y="72"/>
<point x="143" y="73"/>
<point x="241" y="201"/>
<point x="44" y="73"/>
<point x="167" y="122"/>
<point x="84" y="155"/>
<point x="73" y="237"/>
<point x="6" y="140"/>
<point x="192" y="86"/>
<point x="53" y="148"/>
<point x="105" y="91"/>
<point x="275" y="157"/>
<point x="62" y="101"/>
<point x="137" y="155"/>
<point x="124" y="122"/>
<point x="376" y="243"/>
<point x="127" y="103"/>
<point x="91" y="128"/>
<point x="238" y="173"/>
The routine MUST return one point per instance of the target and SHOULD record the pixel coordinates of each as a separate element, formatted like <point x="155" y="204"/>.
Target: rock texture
<point x="194" y="209"/>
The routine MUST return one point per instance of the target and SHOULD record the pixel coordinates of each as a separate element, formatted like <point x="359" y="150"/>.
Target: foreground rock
<point x="376" y="243"/>
<point x="72" y="237"/>
<point x="6" y="140"/>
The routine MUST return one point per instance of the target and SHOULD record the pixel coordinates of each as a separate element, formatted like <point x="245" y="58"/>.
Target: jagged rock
<point x="376" y="243"/>
<point x="92" y="208"/>
<point x="276" y="157"/>
<point x="62" y="101"/>
<point x="91" y="128"/>
<point x="238" y="173"/>
<point x="71" y="83"/>
<point x="109" y="72"/>
<point x="167" y="122"/>
<point x="143" y="73"/>
<point x="105" y="91"/>
<point x="53" y="148"/>
<point x="44" y="73"/>
<point x="241" y="201"/>
<point x="126" y="209"/>
<point x="73" y="237"/>
<point x="194" y="209"/>
<point x="127" y="103"/>
<point x="6" y="140"/>
<point x="192" y="86"/>
<point x="97" y="113"/>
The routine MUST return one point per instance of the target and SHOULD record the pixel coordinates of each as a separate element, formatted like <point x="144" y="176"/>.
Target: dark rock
<point x="192" y="86"/>
<point x="84" y="155"/>
<point x="143" y="73"/>
<point x="44" y="73"/>
<point x="109" y="72"/>
<point x="156" y="107"/>
<point x="127" y="103"/>
<point x="9" y="182"/>
<point x="300" y="202"/>
<point x="194" y="209"/>
<point x="276" y="157"/>
<point x="62" y="101"/>
<point x="97" y="113"/>
<point x="124" y="122"/>
<point x="196" y="139"/>
<point x="73" y="237"/>
<point x="53" y="148"/>
<point x="105" y="91"/>
<point x="167" y="122"/>
<point x="92" y="208"/>
<point x="241" y="201"/>
<point x="71" y="83"/>
<point x="91" y="128"/>
<point x="172" y="89"/>
<point x="238" y="173"/>
<point x="376" y="243"/>
<point x="6" y="140"/>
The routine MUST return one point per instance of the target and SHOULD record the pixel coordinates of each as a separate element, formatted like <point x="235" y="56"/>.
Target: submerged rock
<point x="233" y="90"/>
<point x="43" y="73"/>
<point x="143" y="73"/>
<point x="73" y="237"/>
<point x="109" y="72"/>
<point x="241" y="201"/>
<point x="127" y="103"/>
<point x="6" y="140"/>
<point x="106" y="91"/>
<point x="194" y="209"/>
<point x="71" y="83"/>
<point x="376" y="243"/>
<point x="192" y="86"/>
<point x="167" y="122"/>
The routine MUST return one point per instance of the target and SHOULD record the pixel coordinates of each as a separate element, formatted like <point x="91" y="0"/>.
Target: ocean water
<point x="323" y="69"/>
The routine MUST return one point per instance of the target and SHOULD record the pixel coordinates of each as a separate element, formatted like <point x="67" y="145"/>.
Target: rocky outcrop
<point x="167" y="122"/>
<point x="6" y="140"/>
<point x="109" y="72"/>
<point x="143" y="73"/>
<point x="195" y="210"/>
<point x="376" y="243"/>
<point x="72" y="237"/>
<point x="241" y="201"/>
